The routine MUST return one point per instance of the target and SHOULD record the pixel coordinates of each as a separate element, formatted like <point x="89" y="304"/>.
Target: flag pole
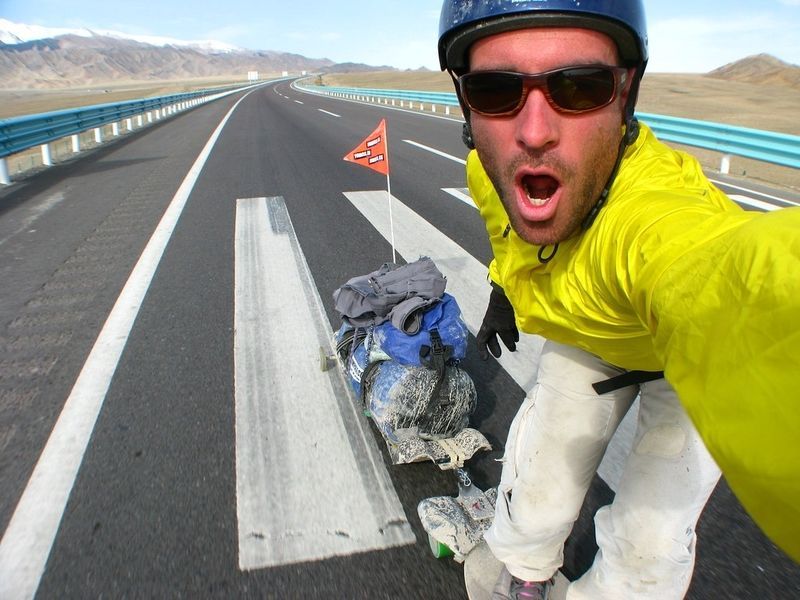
<point x="389" y="192"/>
<point x="391" y="220"/>
<point x="373" y="153"/>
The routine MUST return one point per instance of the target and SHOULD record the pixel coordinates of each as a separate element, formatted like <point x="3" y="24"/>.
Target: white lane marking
<point x="327" y="112"/>
<point x="749" y="191"/>
<point x="462" y="194"/>
<point x="438" y="152"/>
<point x="29" y="537"/>
<point x="466" y="276"/>
<point x="298" y="101"/>
<point x="466" y="280"/>
<point x="310" y="482"/>
<point x="753" y="202"/>
<point x="760" y="204"/>
<point x="427" y="115"/>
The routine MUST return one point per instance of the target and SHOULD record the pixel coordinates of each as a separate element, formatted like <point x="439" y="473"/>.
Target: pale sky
<point x="685" y="36"/>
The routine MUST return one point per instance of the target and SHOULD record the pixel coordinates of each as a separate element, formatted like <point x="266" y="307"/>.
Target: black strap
<point x="625" y="379"/>
<point x="367" y="375"/>
<point x="436" y="357"/>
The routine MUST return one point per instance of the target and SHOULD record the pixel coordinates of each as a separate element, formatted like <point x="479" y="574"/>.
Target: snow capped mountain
<point x="34" y="57"/>
<point x="18" y="33"/>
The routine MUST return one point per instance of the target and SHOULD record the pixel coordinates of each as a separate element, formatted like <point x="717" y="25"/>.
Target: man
<point x="629" y="261"/>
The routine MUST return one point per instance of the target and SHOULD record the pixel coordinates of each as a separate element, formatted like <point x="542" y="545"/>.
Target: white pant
<point x="555" y="444"/>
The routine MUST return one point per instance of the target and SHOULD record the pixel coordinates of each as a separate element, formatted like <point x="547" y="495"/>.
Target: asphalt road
<point x="152" y="508"/>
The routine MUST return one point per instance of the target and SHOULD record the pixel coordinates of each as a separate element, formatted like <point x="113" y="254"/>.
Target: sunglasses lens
<point x="574" y="89"/>
<point x="581" y="89"/>
<point x="492" y="93"/>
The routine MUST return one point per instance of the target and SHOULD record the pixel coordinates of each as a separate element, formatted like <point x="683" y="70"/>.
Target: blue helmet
<point x="462" y="22"/>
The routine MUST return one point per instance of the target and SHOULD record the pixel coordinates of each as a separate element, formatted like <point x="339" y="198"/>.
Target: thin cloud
<point x="697" y="44"/>
<point x="302" y="36"/>
<point x="228" y="33"/>
<point x="701" y="26"/>
<point x="410" y="54"/>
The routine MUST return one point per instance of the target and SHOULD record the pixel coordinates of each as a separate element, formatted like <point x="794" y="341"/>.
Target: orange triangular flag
<point x="372" y="152"/>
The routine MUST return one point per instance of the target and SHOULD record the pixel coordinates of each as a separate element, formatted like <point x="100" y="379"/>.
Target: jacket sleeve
<point x="727" y="324"/>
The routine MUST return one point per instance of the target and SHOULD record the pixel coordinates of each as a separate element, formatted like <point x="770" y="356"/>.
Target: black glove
<point x="498" y="320"/>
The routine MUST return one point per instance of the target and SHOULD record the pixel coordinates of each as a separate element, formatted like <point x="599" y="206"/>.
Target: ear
<point x="627" y="86"/>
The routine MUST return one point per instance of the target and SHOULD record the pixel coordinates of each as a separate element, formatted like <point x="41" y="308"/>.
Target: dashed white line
<point x="760" y="204"/>
<point x="461" y="194"/>
<point x="327" y="112"/>
<point x="438" y="152"/>
<point x="753" y="202"/>
<point x="749" y="191"/>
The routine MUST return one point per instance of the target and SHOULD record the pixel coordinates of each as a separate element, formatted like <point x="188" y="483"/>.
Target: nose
<point x="537" y="122"/>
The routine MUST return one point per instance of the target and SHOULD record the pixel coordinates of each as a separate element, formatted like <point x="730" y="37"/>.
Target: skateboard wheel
<point x="324" y="360"/>
<point x="439" y="549"/>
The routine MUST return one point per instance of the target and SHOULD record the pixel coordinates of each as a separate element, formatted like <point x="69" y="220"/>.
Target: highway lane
<point x="63" y="264"/>
<point x="153" y="509"/>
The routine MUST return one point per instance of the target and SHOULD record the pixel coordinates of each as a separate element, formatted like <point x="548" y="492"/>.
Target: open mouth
<point x="539" y="188"/>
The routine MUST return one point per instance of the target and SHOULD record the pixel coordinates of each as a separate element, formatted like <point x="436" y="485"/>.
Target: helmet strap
<point x="466" y="135"/>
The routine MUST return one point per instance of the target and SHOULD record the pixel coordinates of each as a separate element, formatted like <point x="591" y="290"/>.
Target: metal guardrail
<point x="440" y="98"/>
<point x="431" y="98"/>
<point x="21" y="133"/>
<point x="768" y="146"/>
<point x="777" y="148"/>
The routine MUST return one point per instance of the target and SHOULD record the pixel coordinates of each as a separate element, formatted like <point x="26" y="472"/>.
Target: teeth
<point x="538" y="201"/>
<point x="539" y="189"/>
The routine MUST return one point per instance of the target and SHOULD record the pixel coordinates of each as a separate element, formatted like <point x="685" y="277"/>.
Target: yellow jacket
<point x="674" y="276"/>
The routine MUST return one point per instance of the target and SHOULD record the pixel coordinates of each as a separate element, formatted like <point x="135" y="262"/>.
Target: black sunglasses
<point x="576" y="89"/>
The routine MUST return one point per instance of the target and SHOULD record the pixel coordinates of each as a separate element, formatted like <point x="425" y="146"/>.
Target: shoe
<point x="509" y="587"/>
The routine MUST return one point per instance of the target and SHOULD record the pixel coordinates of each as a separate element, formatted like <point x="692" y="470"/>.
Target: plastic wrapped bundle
<point x="416" y="401"/>
<point x="405" y="400"/>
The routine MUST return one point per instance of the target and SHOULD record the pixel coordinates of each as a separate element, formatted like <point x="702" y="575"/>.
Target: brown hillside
<point x="760" y="68"/>
<point x="71" y="61"/>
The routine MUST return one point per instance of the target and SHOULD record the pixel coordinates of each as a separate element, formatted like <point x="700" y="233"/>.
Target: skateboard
<point x="455" y="524"/>
<point x="455" y="527"/>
